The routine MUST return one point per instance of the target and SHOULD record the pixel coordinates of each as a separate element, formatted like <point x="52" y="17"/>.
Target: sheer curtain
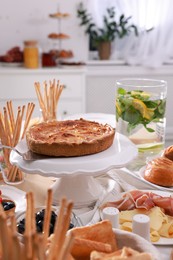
<point x="151" y="48"/>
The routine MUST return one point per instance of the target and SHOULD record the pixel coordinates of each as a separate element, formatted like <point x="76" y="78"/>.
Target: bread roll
<point x="168" y="153"/>
<point x="160" y="171"/>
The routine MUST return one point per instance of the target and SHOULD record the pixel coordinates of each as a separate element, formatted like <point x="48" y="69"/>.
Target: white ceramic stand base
<point x="82" y="190"/>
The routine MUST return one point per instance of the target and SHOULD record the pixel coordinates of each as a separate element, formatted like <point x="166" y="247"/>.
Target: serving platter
<point x="162" y="240"/>
<point x="155" y="186"/>
<point x="11" y="64"/>
<point x="125" y="238"/>
<point x="75" y="174"/>
<point x="118" y="155"/>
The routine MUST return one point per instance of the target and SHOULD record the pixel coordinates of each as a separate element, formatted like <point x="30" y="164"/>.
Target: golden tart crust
<point x="69" y="138"/>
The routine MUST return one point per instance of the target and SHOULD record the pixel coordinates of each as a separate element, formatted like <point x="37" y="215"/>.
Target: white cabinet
<point x="17" y="84"/>
<point x="100" y="91"/>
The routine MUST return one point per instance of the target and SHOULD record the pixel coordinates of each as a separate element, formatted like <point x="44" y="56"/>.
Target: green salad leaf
<point x="137" y="107"/>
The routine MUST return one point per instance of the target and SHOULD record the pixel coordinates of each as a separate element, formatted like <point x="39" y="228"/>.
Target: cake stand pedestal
<point x="82" y="190"/>
<point x="75" y="175"/>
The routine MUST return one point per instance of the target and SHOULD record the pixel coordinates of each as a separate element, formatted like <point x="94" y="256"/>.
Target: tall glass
<point x="140" y="114"/>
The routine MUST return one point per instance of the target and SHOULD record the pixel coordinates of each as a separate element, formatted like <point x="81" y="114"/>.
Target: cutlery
<point x="27" y="156"/>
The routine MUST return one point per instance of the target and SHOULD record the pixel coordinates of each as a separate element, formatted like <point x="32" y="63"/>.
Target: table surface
<point x="39" y="185"/>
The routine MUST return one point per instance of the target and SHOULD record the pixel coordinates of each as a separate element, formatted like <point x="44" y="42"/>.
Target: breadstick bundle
<point x="49" y="98"/>
<point x="34" y="245"/>
<point x="12" y="130"/>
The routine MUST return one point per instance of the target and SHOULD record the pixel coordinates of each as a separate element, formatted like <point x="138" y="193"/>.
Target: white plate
<point x="162" y="240"/>
<point x="119" y="154"/>
<point x="125" y="238"/>
<point x="141" y="174"/>
<point x="11" y="64"/>
<point x="18" y="196"/>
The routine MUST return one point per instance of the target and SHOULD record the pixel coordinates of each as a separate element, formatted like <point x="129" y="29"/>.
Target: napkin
<point x="114" y="182"/>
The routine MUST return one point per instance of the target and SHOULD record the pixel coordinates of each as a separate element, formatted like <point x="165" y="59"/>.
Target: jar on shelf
<point x="31" y="54"/>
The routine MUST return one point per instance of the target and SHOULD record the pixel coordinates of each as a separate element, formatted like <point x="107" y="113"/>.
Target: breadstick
<point x="47" y="216"/>
<point x="33" y="223"/>
<point x="65" y="251"/>
<point x="4" y="140"/>
<point x="7" y="127"/>
<point x="46" y="99"/>
<point x="27" y="233"/>
<point x="5" y="238"/>
<point x="15" y="135"/>
<point x="40" y="99"/>
<point x="65" y="225"/>
<point x="40" y="250"/>
<point x="29" y="114"/>
<point x="57" y="229"/>
<point x="16" y="248"/>
<point x="11" y="114"/>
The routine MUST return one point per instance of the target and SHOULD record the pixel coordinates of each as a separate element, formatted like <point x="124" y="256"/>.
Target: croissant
<point x="160" y="172"/>
<point x="168" y="153"/>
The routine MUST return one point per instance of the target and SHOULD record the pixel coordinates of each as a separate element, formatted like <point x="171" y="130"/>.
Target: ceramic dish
<point x="141" y="175"/>
<point x="18" y="196"/>
<point x="21" y="216"/>
<point x="119" y="154"/>
<point x="136" y="242"/>
<point x="11" y="64"/>
<point x="162" y="240"/>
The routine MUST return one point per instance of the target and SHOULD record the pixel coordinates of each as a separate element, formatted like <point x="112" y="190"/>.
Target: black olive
<point x="71" y="226"/>
<point x="40" y="215"/>
<point x="53" y="217"/>
<point x="6" y="207"/>
<point x="51" y="229"/>
<point x="21" y="228"/>
<point x="22" y="221"/>
<point x="11" y="204"/>
<point x="40" y="225"/>
<point x="4" y="203"/>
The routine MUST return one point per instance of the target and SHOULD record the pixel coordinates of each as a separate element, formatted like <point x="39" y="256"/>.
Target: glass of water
<point x="140" y="114"/>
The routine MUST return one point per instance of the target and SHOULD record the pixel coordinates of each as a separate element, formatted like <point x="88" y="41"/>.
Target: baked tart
<point x="69" y="138"/>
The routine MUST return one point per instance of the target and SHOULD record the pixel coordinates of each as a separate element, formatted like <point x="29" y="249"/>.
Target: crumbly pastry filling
<point x="70" y="131"/>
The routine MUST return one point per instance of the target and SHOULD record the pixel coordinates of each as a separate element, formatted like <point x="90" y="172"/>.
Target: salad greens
<point x="136" y="107"/>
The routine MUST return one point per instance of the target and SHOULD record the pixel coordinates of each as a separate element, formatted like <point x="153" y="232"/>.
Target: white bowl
<point x="136" y="242"/>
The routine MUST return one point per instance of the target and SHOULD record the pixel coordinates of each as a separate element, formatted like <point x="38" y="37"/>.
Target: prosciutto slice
<point x="143" y="200"/>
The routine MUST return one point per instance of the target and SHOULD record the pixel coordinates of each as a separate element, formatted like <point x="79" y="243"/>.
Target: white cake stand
<point x="75" y="176"/>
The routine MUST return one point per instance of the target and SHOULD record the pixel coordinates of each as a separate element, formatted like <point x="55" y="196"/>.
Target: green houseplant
<point x="102" y="37"/>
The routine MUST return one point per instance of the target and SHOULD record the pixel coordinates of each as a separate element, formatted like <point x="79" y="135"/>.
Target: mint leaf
<point x="121" y="91"/>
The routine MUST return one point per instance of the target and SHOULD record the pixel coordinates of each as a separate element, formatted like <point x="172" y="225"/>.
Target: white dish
<point x="11" y="64"/>
<point x="119" y="154"/>
<point x="162" y="240"/>
<point x="125" y="238"/>
<point x="18" y="196"/>
<point x="141" y="175"/>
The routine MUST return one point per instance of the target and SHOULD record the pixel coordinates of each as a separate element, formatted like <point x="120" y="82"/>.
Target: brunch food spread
<point x="49" y="235"/>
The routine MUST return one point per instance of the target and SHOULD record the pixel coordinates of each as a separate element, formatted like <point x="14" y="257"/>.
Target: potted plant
<point x="102" y="37"/>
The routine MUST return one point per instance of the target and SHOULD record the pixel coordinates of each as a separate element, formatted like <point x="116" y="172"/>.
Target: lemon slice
<point x="143" y="94"/>
<point x="142" y="108"/>
<point x="118" y="108"/>
<point x="145" y="147"/>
